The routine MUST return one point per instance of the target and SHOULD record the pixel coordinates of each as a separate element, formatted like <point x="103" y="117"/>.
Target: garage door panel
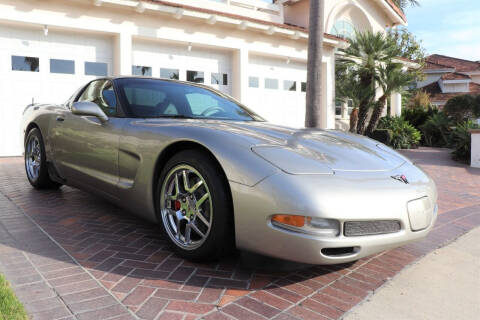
<point x="278" y="105"/>
<point x="17" y="88"/>
<point x="173" y="56"/>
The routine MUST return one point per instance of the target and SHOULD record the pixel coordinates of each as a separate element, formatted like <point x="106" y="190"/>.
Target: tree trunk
<point x="314" y="73"/>
<point x="376" y="114"/>
<point x="366" y="82"/>
<point x="362" y="117"/>
<point x="353" y="120"/>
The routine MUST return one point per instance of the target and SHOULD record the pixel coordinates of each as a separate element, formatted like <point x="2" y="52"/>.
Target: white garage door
<point x="277" y="90"/>
<point x="166" y="60"/>
<point x="43" y="69"/>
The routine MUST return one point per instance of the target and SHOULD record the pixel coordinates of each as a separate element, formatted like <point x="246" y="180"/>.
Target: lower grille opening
<point x="369" y="228"/>
<point x="344" y="251"/>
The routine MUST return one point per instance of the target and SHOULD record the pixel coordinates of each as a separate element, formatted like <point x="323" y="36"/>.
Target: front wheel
<point x="36" y="162"/>
<point x="195" y="207"/>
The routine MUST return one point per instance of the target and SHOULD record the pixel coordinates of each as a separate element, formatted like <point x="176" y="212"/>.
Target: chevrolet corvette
<point x="215" y="175"/>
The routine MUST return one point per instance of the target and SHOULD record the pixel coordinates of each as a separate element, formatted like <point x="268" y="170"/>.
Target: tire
<point x="192" y="208"/>
<point x="36" y="162"/>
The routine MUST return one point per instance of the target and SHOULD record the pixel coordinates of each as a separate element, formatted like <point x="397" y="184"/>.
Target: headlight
<point x="309" y="225"/>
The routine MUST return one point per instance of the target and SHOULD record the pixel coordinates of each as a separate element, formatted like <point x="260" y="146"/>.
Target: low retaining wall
<point x="475" y="161"/>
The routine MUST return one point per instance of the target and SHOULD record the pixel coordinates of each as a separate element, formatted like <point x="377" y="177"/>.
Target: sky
<point x="448" y="27"/>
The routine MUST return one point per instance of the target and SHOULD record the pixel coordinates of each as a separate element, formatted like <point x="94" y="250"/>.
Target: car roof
<point x="194" y="84"/>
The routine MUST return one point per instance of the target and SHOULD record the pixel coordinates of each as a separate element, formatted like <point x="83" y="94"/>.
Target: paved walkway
<point x="107" y="251"/>
<point x="442" y="286"/>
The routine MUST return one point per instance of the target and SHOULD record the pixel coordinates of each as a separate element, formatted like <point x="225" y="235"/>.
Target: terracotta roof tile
<point x="397" y="9"/>
<point x="435" y="66"/>
<point x="455" y="76"/>
<point x="461" y="65"/>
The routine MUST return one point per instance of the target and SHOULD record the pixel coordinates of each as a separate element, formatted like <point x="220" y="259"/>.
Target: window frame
<point x="94" y="75"/>
<point x="142" y="75"/>
<point x="198" y="72"/>
<point x="17" y="56"/>
<point x="119" y="112"/>
<point x="170" y="69"/>
<point x="54" y="59"/>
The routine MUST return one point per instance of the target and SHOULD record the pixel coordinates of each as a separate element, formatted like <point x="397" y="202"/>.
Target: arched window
<point x="343" y="29"/>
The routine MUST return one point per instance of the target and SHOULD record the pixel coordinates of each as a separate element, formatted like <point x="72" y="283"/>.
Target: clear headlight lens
<point x="308" y="225"/>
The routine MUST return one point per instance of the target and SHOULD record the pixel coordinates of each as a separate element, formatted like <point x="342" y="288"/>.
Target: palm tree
<point x="392" y="78"/>
<point x="367" y="51"/>
<point x="403" y="4"/>
<point x="348" y="88"/>
<point x="314" y="73"/>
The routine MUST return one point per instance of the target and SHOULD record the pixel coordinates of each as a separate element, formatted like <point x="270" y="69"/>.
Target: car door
<point x="85" y="148"/>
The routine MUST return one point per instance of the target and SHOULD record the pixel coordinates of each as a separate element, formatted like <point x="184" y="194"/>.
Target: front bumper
<point x="344" y="197"/>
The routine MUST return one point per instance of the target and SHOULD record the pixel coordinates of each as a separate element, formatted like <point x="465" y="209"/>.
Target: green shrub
<point x="461" y="141"/>
<point x="404" y="135"/>
<point x="461" y="108"/>
<point x="436" y="130"/>
<point x="418" y="116"/>
<point x="476" y="108"/>
<point x="382" y="135"/>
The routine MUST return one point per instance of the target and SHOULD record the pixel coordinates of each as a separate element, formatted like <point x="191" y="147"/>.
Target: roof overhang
<point x="428" y="71"/>
<point x="179" y="11"/>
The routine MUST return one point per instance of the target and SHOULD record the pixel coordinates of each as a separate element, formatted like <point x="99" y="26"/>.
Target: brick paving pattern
<point x="119" y="257"/>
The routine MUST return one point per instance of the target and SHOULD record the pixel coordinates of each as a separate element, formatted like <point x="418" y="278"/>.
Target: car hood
<point x="296" y="151"/>
<point x="337" y="150"/>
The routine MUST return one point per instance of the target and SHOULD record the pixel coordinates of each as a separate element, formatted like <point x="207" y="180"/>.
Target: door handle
<point x="60" y="119"/>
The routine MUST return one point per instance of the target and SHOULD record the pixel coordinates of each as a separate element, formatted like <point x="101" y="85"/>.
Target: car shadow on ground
<point x="123" y="251"/>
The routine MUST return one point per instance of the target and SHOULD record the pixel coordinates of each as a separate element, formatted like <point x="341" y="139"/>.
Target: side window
<point x="101" y="93"/>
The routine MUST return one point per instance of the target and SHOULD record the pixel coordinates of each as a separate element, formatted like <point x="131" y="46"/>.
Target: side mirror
<point x="88" y="109"/>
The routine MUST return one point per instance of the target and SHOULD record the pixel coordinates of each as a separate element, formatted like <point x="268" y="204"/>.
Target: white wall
<point x="455" y="87"/>
<point x="429" y="78"/>
<point x="365" y="14"/>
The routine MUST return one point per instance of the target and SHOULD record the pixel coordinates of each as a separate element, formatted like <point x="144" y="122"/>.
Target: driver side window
<point x="101" y="93"/>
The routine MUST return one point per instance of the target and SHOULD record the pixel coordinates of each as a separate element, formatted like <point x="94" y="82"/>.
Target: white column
<point x="344" y="110"/>
<point x="396" y="104"/>
<point x="327" y="109"/>
<point x="240" y="74"/>
<point x="122" y="54"/>
<point x="475" y="161"/>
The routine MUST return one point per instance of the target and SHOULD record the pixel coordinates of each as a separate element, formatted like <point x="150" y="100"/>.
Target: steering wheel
<point x="210" y="109"/>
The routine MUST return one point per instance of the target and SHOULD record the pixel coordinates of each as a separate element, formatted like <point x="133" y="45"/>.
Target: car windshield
<point x="151" y="98"/>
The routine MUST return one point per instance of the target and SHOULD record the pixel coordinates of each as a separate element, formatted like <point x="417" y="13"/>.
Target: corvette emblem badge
<point x="401" y="178"/>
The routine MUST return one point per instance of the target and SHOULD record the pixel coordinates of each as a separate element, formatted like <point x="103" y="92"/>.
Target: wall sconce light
<point x="140" y="8"/>
<point x="288" y="60"/>
<point x="189" y="48"/>
<point x="45" y="30"/>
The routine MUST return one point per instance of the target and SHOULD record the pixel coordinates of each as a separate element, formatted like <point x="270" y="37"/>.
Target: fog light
<point x="309" y="225"/>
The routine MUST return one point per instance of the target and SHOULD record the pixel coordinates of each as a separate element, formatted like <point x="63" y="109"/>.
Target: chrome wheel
<point x="186" y="207"/>
<point x="33" y="157"/>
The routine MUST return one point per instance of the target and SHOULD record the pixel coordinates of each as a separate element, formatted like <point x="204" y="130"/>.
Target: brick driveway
<point x="120" y="267"/>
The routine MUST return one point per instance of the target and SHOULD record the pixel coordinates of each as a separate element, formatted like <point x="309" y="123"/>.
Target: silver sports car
<point x="215" y="175"/>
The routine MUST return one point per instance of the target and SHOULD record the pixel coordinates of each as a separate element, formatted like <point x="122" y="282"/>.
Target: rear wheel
<point x="195" y="207"/>
<point x="36" y="162"/>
